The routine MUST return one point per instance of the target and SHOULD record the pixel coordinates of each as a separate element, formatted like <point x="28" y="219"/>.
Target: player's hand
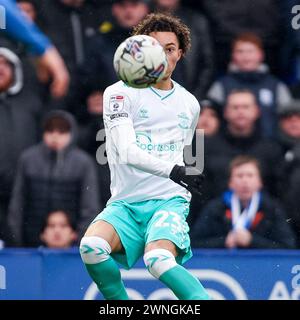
<point x="188" y="177"/>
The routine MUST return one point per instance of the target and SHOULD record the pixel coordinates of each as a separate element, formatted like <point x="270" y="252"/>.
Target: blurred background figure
<point x="28" y="7"/>
<point x="58" y="231"/>
<point x="51" y="66"/>
<point x="209" y="123"/>
<point x="232" y="18"/>
<point x="244" y="216"/>
<point x="290" y="46"/>
<point x="240" y="135"/>
<point x="289" y="184"/>
<point x="247" y="71"/>
<point x="69" y="24"/>
<point x="195" y="72"/>
<point x="210" y="118"/>
<point x="53" y="175"/>
<point x="20" y="114"/>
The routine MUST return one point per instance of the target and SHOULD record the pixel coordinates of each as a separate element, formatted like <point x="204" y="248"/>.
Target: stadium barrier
<point x="232" y="274"/>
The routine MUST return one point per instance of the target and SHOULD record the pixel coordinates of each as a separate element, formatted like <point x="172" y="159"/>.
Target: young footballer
<point x="146" y="131"/>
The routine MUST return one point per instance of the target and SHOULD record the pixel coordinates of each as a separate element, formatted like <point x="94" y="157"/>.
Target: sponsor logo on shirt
<point x="144" y="141"/>
<point x="119" y="115"/>
<point x="116" y="103"/>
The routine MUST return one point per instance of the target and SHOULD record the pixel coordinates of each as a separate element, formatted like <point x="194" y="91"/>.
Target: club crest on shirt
<point x="143" y="113"/>
<point x="184" y="120"/>
<point x="116" y="103"/>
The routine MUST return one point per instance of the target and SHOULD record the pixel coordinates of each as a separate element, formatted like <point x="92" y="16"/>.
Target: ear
<point x="179" y="54"/>
<point x="262" y="56"/>
<point x="258" y="112"/>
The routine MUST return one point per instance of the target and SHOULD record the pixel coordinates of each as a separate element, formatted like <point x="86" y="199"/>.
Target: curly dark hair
<point x="159" y="22"/>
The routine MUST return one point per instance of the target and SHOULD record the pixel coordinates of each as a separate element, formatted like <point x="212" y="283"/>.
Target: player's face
<point x="170" y="43"/>
<point x="245" y="181"/>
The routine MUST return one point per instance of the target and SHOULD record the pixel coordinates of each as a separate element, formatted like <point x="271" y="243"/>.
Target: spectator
<point x="209" y="122"/>
<point x="247" y="70"/>
<point x="20" y="113"/>
<point x="97" y="71"/>
<point x="290" y="46"/>
<point x="195" y="71"/>
<point x="28" y="7"/>
<point x="69" y="24"/>
<point x="230" y="18"/>
<point x="240" y="135"/>
<point x="31" y="80"/>
<point x="49" y="60"/>
<point x="244" y="216"/>
<point x="58" y="231"/>
<point x="53" y="175"/>
<point x="210" y="117"/>
<point x="289" y="138"/>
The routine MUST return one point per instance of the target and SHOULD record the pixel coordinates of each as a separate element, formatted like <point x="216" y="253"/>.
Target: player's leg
<point x="168" y="247"/>
<point x="99" y="241"/>
<point x="160" y="261"/>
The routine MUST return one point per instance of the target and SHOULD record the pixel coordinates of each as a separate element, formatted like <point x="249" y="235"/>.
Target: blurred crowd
<point x="244" y="68"/>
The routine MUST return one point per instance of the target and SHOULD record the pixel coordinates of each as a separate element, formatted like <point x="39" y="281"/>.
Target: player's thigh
<point x="162" y="244"/>
<point x="105" y="231"/>
<point x="168" y="229"/>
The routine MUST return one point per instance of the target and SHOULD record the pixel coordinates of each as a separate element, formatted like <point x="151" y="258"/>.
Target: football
<point x="140" y="61"/>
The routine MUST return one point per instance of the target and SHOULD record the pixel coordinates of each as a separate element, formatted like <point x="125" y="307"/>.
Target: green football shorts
<point x="140" y="223"/>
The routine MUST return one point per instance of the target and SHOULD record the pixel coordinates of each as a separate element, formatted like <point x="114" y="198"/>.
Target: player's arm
<point x="119" y="122"/>
<point x="124" y="139"/>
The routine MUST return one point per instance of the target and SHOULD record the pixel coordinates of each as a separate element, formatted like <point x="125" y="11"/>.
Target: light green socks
<point x="162" y="265"/>
<point x="107" y="276"/>
<point x="184" y="285"/>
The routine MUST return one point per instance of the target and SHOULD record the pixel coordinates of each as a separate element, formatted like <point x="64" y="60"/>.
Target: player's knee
<point x="94" y="250"/>
<point x="159" y="261"/>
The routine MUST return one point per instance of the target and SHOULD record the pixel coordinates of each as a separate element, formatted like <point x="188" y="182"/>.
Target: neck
<point x="164" y="84"/>
<point x="245" y="202"/>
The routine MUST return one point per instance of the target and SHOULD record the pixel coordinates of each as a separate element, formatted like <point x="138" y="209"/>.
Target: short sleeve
<point x="117" y="108"/>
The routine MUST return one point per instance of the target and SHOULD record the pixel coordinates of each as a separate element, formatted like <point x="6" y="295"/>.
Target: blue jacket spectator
<point x="243" y="217"/>
<point x="247" y="71"/>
